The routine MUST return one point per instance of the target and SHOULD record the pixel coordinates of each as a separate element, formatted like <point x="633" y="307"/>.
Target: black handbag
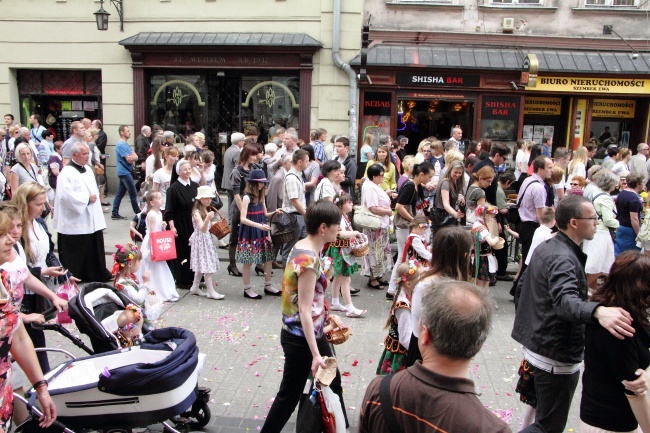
<point x="310" y="415"/>
<point x="216" y="202"/>
<point x="513" y="211"/>
<point x="440" y="218"/>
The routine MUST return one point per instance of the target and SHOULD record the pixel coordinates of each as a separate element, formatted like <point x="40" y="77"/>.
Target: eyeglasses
<point x="574" y="184"/>
<point x="593" y="218"/>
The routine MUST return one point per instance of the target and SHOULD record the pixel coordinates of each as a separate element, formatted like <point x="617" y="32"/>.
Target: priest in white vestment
<point x="79" y="220"/>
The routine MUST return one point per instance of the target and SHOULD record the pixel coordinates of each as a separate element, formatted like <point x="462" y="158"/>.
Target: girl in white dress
<point x="162" y="279"/>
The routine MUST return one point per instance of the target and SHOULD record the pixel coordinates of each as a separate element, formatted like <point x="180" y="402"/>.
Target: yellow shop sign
<point x="619" y="108"/>
<point x="592" y="85"/>
<point x="542" y="106"/>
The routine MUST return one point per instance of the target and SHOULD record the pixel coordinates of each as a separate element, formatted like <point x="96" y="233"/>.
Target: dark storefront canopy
<point x="430" y="56"/>
<point x="222" y="39"/>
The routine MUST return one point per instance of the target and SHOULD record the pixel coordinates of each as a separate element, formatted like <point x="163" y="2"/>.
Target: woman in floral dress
<point x="13" y="337"/>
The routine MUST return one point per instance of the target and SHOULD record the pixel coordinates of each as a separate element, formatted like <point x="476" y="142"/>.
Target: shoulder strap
<point x="387" y="405"/>
<point x="524" y="193"/>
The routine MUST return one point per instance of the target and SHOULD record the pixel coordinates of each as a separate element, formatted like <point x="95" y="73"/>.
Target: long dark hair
<point x="451" y="248"/>
<point x="157" y="150"/>
<point x="627" y="286"/>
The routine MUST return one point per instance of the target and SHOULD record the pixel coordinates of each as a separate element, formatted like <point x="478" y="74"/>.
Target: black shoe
<point x="257" y="295"/>
<point x="382" y="283"/>
<point x="493" y="283"/>
<point x="354" y="291"/>
<point x="389" y="295"/>
<point x="270" y="293"/>
<point x="117" y="217"/>
<point x="223" y="247"/>
<point x="375" y="286"/>
<point x="260" y="270"/>
<point x="505" y="278"/>
<point x="235" y="272"/>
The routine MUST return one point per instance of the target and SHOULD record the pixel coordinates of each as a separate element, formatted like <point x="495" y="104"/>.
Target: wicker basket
<point x="360" y="248"/>
<point x="500" y="244"/>
<point x="283" y="234"/>
<point x="220" y="228"/>
<point x="339" y="334"/>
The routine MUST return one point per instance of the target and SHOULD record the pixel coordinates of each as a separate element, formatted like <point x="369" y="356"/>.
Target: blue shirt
<point x="546" y="150"/>
<point x="319" y="151"/>
<point x="122" y="149"/>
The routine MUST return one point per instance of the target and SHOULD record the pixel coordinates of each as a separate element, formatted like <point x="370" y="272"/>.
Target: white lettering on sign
<point x="165" y="244"/>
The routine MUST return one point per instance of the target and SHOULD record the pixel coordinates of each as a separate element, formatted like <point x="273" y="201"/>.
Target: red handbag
<point x="163" y="246"/>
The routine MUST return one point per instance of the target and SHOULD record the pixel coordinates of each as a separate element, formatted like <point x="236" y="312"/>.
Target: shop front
<point x="221" y="83"/>
<point x="59" y="97"/>
<point x="423" y="91"/>
<point x="600" y="107"/>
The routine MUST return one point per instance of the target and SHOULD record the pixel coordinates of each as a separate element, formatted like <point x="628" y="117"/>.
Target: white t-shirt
<point x="163" y="179"/>
<point x="521" y="161"/>
<point x="542" y="233"/>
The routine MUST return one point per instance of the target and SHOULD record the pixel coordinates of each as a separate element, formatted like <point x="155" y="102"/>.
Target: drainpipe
<point x="336" y="39"/>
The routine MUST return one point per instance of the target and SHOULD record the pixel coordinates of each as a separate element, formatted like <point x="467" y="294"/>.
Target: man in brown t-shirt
<point x="436" y="395"/>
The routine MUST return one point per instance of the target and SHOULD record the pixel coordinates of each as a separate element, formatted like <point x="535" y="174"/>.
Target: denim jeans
<point x="554" y="394"/>
<point x="297" y="365"/>
<point x="126" y="184"/>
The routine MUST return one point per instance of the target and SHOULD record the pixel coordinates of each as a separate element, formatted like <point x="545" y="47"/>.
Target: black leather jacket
<point x="552" y="308"/>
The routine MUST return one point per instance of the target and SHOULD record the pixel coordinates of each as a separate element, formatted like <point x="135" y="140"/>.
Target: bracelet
<point x="40" y="383"/>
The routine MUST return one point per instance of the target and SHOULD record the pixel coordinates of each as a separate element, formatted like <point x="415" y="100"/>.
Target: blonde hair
<point x="580" y="155"/>
<point x="405" y="275"/>
<point x="408" y="163"/>
<point x="423" y="143"/>
<point x="453" y="155"/>
<point x="26" y="193"/>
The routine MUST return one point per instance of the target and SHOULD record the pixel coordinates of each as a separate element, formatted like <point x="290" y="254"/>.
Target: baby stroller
<point x="120" y="389"/>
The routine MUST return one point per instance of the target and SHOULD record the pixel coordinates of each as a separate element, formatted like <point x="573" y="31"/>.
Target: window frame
<point x="516" y="3"/>
<point x="609" y="4"/>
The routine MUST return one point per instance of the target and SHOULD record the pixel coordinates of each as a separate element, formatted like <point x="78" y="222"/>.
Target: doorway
<point x="419" y="119"/>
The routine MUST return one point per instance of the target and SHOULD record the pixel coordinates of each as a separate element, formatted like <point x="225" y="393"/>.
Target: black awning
<point x="222" y="39"/>
<point x="505" y="59"/>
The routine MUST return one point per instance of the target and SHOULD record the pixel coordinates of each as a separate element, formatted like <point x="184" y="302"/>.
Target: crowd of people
<point x="451" y="210"/>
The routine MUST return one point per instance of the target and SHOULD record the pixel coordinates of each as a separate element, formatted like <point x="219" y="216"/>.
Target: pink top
<point x="372" y="195"/>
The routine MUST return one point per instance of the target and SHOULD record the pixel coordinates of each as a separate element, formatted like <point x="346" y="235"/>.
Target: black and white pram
<point x="127" y="388"/>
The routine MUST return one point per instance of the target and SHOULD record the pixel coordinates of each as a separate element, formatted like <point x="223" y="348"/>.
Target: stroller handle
<point x="37" y="413"/>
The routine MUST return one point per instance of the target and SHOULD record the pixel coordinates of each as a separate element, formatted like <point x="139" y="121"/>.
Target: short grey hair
<point x="22" y="130"/>
<point x="76" y="148"/>
<point x="291" y="133"/>
<point x="458" y="317"/>
<point x="606" y="180"/>
<point x="145" y="129"/>
<point x="168" y="134"/>
<point x="384" y="139"/>
<point x="270" y="148"/>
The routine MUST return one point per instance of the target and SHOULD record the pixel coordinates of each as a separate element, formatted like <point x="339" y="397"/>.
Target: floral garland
<point x="120" y="263"/>
<point x="410" y="274"/>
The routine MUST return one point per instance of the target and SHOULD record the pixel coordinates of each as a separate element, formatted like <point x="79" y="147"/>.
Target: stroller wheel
<point x="202" y="415"/>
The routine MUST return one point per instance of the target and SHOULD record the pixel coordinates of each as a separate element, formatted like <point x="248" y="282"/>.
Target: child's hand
<point x="146" y="277"/>
<point x="266" y="227"/>
<point x="164" y="225"/>
<point x="138" y="234"/>
<point x="210" y="215"/>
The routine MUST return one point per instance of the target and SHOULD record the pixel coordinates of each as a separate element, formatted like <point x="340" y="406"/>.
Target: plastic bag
<point x="67" y="291"/>
<point x="152" y="307"/>
<point x="333" y="404"/>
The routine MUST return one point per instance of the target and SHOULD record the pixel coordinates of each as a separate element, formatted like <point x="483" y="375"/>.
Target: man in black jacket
<point x="142" y="144"/>
<point x="552" y="310"/>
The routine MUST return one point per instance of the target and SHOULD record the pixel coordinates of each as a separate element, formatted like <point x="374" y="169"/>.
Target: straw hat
<point x="204" y="192"/>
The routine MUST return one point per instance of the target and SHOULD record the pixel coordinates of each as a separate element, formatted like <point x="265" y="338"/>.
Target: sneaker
<point x="117" y="217"/>
<point x="355" y="313"/>
<point x="338" y="307"/>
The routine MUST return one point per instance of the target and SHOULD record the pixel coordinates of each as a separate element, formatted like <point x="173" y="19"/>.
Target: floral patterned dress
<point x="12" y="279"/>
<point x="254" y="245"/>
<point x="203" y="254"/>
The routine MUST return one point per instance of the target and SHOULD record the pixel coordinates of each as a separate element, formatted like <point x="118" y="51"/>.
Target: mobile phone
<point x="50" y="313"/>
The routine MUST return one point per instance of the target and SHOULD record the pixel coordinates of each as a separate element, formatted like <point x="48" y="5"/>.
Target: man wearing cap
<point x="230" y="161"/>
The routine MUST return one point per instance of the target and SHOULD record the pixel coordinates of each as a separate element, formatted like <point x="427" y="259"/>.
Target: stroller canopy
<point x="161" y="376"/>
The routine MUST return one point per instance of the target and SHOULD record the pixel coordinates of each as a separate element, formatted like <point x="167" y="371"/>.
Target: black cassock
<point x="178" y="207"/>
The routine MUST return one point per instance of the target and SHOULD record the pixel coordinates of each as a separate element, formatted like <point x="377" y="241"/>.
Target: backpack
<point x="140" y="221"/>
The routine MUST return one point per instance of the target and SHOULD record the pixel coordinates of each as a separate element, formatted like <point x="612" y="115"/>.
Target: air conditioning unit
<point x="508" y="25"/>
